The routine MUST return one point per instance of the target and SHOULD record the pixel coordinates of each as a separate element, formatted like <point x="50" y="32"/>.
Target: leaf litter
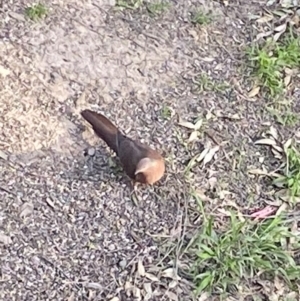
<point x="89" y="227"/>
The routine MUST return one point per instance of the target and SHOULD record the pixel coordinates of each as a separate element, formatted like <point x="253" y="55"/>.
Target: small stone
<point x="91" y="151"/>
<point x="123" y="263"/>
<point x="111" y="247"/>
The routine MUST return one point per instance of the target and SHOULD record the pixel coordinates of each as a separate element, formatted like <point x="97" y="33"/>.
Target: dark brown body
<point x="140" y="162"/>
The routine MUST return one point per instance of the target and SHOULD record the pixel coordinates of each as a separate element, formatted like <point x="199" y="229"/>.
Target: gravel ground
<point x="70" y="228"/>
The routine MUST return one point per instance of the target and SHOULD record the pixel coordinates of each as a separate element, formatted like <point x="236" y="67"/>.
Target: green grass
<point x="36" y="12"/>
<point x="291" y="172"/>
<point x="129" y="4"/>
<point x="285" y="117"/>
<point x="204" y="83"/>
<point x="166" y="112"/>
<point x="269" y="61"/>
<point x="224" y="259"/>
<point x="157" y="8"/>
<point x="201" y="18"/>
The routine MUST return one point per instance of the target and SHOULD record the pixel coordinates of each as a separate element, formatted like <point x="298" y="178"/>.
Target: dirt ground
<point x="69" y="226"/>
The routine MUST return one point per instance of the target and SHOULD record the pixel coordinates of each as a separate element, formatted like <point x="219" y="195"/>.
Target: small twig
<point x="6" y="190"/>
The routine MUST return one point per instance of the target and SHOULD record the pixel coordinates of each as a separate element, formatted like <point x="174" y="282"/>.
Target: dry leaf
<point x="204" y="296"/>
<point x="208" y="115"/>
<point x="265" y="19"/>
<point x="258" y="172"/>
<point x="265" y="141"/>
<point x="171" y="296"/>
<point x="254" y="92"/>
<point x="193" y="136"/>
<point x="3" y="155"/>
<point x="5" y="239"/>
<point x="187" y="124"/>
<point x="287" y="80"/>
<point x="72" y="297"/>
<point x="141" y="268"/>
<point x="94" y="285"/>
<point x="50" y="203"/>
<point x="277" y="36"/>
<point x="147" y="287"/>
<point x="26" y="209"/>
<point x="277" y="148"/>
<point x="173" y="284"/>
<point x="137" y="293"/>
<point x="287" y="144"/>
<point x="151" y="277"/>
<point x="3" y="71"/>
<point x="198" y="124"/>
<point x="280" y="28"/>
<point x="281" y="209"/>
<point x="295" y="20"/>
<point x="168" y="273"/>
<point x="263" y="35"/>
<point x="273" y="132"/>
<point x="202" y="155"/>
<point x="210" y="155"/>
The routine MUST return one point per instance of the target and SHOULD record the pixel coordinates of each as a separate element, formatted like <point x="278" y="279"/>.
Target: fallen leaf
<point x="26" y="209"/>
<point x="169" y="273"/>
<point x="172" y="296"/>
<point x="287" y="144"/>
<point x="287" y="80"/>
<point x="3" y="71"/>
<point x="265" y="141"/>
<point x="173" y="284"/>
<point x="187" y="124"/>
<point x="94" y="285"/>
<point x="151" y="277"/>
<point x="137" y="293"/>
<point x="209" y="115"/>
<point x="5" y="239"/>
<point x="282" y="208"/>
<point x="263" y="213"/>
<point x="264" y="19"/>
<point x="295" y="20"/>
<point x="193" y="136"/>
<point x="276" y="154"/>
<point x="204" y="296"/>
<point x="147" y="287"/>
<point x="3" y="155"/>
<point x="280" y="28"/>
<point x="198" y="124"/>
<point x="258" y="172"/>
<point x="141" y="268"/>
<point x="277" y="148"/>
<point x="202" y="155"/>
<point x="192" y="163"/>
<point x="263" y="35"/>
<point x="50" y="203"/>
<point x="277" y="36"/>
<point x="273" y="132"/>
<point x="210" y="155"/>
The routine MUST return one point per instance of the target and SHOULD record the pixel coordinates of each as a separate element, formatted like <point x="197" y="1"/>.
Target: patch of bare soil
<point x="70" y="229"/>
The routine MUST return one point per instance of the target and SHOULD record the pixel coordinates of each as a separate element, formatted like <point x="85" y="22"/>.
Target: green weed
<point x="157" y="8"/>
<point x="291" y="173"/>
<point x="129" y="4"/>
<point x="199" y="17"/>
<point x="268" y="62"/>
<point x="225" y="259"/>
<point x="36" y="12"/>
<point x="205" y="83"/>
